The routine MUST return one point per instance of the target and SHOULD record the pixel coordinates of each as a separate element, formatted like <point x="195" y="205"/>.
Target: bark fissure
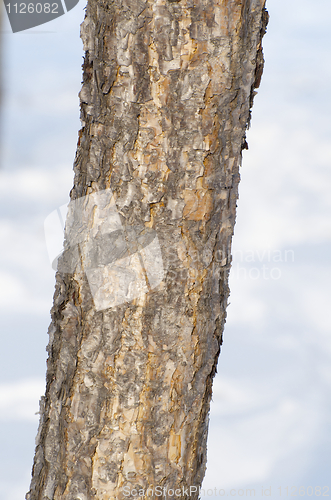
<point x="165" y="104"/>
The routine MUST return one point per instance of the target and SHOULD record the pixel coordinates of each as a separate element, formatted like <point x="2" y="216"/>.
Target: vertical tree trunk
<point x="165" y="103"/>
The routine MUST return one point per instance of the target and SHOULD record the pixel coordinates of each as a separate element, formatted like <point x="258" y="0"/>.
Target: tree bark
<point x="165" y="104"/>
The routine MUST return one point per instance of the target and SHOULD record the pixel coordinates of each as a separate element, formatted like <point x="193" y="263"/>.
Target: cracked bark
<point x="165" y="104"/>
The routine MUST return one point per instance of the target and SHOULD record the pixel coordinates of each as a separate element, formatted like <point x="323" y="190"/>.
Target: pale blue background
<point x="271" y="415"/>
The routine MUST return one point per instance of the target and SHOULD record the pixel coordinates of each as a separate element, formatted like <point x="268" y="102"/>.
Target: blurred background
<point x="270" y="422"/>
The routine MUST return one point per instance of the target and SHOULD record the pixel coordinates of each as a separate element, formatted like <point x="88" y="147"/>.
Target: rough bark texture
<point x="165" y="103"/>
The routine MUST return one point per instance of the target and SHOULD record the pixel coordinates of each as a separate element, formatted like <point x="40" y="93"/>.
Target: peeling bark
<point x="165" y="104"/>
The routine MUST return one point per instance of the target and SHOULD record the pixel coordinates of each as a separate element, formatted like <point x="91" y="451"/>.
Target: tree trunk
<point x="165" y="103"/>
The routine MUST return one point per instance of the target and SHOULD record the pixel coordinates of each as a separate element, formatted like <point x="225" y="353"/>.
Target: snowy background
<point x="270" y="421"/>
